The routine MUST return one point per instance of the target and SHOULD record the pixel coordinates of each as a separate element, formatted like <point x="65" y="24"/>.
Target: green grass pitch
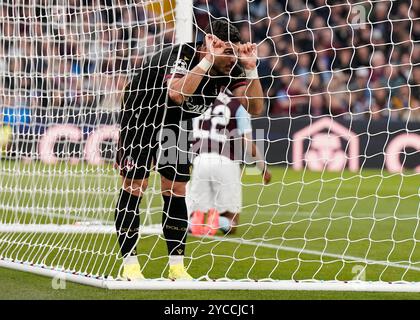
<point x="303" y="225"/>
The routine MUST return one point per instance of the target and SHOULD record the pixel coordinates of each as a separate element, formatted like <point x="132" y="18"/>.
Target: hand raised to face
<point x="247" y="54"/>
<point x="214" y="46"/>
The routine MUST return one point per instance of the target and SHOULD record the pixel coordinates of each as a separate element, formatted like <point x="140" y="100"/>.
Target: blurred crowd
<point x="316" y="57"/>
<point x="330" y="57"/>
<point x="74" y="54"/>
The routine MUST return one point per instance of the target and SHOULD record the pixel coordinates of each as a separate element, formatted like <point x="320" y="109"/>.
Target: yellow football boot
<point x="132" y="272"/>
<point x="178" y="272"/>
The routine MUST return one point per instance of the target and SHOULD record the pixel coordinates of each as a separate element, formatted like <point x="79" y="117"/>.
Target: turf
<point x="303" y="225"/>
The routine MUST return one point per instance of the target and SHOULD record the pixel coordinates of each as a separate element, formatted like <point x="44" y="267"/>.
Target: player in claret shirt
<point x="172" y="87"/>
<point x="223" y="139"/>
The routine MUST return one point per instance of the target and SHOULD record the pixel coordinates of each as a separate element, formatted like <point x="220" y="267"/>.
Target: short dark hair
<point x="224" y="30"/>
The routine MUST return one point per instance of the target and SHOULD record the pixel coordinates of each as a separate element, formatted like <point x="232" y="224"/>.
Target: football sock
<point x="127" y="222"/>
<point x="130" y="260"/>
<point x="175" y="224"/>
<point x="175" y="260"/>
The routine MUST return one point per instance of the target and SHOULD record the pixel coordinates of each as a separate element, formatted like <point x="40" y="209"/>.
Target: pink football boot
<point x="197" y="223"/>
<point x="212" y="224"/>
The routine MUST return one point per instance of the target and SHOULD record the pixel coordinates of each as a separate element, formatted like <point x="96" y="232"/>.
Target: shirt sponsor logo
<point x="199" y="108"/>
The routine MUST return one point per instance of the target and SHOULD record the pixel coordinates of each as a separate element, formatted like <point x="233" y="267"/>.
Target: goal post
<point x="340" y="133"/>
<point x="184" y="21"/>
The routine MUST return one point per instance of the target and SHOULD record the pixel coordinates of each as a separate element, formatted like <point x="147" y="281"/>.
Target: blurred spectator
<point x="338" y="97"/>
<point x="265" y="68"/>
<point x="317" y="96"/>
<point x="113" y="90"/>
<point x="381" y="102"/>
<point x="291" y="99"/>
<point x="360" y="95"/>
<point x="412" y="97"/>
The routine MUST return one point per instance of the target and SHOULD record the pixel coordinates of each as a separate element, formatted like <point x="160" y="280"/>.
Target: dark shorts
<point x="144" y="146"/>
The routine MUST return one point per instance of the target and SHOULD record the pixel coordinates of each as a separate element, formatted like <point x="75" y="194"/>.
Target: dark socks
<point x="175" y="224"/>
<point x="127" y="222"/>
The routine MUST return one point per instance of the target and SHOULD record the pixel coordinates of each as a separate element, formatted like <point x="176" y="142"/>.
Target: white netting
<point x="340" y="133"/>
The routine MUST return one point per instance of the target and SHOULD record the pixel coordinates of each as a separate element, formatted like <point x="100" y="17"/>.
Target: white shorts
<point x="215" y="183"/>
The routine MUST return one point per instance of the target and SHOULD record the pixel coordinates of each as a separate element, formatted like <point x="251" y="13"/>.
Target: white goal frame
<point x="184" y="33"/>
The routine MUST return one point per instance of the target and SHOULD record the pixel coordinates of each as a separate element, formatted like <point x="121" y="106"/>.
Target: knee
<point x="134" y="186"/>
<point x="173" y="188"/>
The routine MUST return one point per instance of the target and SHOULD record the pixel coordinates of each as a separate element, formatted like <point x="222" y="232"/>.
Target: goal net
<point x="340" y="134"/>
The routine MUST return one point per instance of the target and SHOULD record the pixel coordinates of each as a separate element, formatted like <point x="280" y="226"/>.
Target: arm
<point x="251" y="95"/>
<point x="253" y="151"/>
<point x="179" y="89"/>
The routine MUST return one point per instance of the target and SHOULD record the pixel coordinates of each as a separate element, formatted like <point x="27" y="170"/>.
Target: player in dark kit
<point x="173" y="86"/>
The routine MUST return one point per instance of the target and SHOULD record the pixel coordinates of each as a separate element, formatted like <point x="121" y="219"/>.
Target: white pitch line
<point x="314" y="252"/>
<point x="279" y="213"/>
